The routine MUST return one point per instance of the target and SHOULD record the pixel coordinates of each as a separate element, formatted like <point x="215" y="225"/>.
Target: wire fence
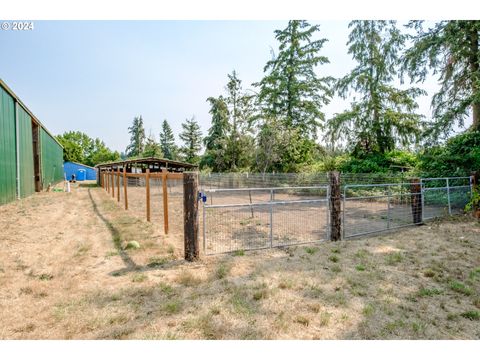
<point x="257" y="218"/>
<point x="256" y="211"/>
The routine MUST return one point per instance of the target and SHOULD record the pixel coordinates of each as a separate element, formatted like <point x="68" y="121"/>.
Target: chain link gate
<point x="260" y="218"/>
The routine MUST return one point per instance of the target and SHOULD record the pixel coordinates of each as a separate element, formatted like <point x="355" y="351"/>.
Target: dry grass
<point x="64" y="273"/>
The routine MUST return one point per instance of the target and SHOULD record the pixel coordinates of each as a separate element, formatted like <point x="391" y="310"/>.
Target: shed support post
<point x="118" y="185"/>
<point x="190" y="214"/>
<point x="335" y="206"/>
<point x="125" y="183"/>
<point x="113" y="183"/>
<point x="165" y="200"/>
<point x="416" y="197"/>
<point x="147" y="192"/>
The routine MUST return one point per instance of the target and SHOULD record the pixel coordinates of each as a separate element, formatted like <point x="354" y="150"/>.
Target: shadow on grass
<point x="130" y="265"/>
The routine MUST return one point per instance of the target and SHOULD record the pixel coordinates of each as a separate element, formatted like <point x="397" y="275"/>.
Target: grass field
<point x="65" y="274"/>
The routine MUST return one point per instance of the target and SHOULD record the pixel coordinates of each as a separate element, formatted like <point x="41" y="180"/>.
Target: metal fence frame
<point x="271" y="205"/>
<point x="423" y="190"/>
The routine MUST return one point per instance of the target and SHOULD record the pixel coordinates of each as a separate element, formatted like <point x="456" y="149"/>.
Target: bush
<point x="458" y="157"/>
<point x="392" y="161"/>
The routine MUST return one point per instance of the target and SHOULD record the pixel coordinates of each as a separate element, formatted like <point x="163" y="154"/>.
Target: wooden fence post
<point x="190" y="215"/>
<point x="107" y="182"/>
<point x="335" y="206"/>
<point x="113" y="183"/>
<point x="165" y="200"/>
<point x="475" y="178"/>
<point x="147" y="191"/>
<point x="416" y="196"/>
<point x="118" y="185"/>
<point x="125" y="183"/>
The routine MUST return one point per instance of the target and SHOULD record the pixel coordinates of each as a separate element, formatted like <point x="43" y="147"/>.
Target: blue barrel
<point x="81" y="175"/>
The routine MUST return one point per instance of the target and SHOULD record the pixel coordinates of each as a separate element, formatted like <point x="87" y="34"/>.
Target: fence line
<point x="256" y="211"/>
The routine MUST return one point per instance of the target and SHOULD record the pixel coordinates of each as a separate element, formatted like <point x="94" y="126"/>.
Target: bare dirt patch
<point x="65" y="273"/>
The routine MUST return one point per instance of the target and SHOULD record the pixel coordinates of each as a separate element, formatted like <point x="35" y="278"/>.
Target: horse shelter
<point x="148" y="187"/>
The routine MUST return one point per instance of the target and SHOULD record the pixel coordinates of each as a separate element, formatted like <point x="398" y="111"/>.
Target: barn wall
<point x="8" y="176"/>
<point x="25" y="148"/>
<point x="51" y="159"/>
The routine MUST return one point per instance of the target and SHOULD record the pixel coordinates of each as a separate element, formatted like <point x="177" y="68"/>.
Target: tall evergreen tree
<point x="291" y="91"/>
<point x="192" y="139"/>
<point x="383" y="113"/>
<point x="137" y="138"/>
<point x="216" y="142"/>
<point x="152" y="148"/>
<point x="241" y="113"/>
<point x="167" y="142"/>
<point x="452" y="50"/>
<point x="229" y="144"/>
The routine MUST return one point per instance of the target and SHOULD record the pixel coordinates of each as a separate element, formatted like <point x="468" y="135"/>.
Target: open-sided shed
<point x="143" y="184"/>
<point x="31" y="159"/>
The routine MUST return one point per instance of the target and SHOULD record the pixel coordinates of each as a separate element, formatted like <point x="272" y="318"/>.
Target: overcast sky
<point x="96" y="76"/>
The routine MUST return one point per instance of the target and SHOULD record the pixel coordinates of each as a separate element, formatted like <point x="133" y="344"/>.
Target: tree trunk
<point x="475" y="70"/>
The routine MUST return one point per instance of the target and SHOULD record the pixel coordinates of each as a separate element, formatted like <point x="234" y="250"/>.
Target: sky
<point x="96" y="76"/>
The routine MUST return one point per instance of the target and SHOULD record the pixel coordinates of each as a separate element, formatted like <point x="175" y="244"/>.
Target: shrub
<point x="458" y="157"/>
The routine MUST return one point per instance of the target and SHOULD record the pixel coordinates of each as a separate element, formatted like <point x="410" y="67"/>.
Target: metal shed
<point x="31" y="159"/>
<point x="74" y="168"/>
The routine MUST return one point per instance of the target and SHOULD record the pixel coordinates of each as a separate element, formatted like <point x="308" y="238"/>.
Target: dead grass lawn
<point x="64" y="274"/>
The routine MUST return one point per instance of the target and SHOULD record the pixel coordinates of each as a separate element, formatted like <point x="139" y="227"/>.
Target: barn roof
<point x="152" y="163"/>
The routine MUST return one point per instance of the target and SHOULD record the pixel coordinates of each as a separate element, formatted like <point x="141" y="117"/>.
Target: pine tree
<point x="291" y="91"/>
<point x="452" y="50"/>
<point x="229" y="144"/>
<point x="167" y="142"/>
<point x="152" y="148"/>
<point x="241" y="110"/>
<point x="192" y="139"/>
<point x="137" y="139"/>
<point x="383" y="113"/>
<point x="216" y="142"/>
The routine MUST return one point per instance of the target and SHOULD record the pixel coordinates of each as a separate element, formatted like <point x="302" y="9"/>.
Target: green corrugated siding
<point x="51" y="159"/>
<point x="7" y="148"/>
<point x="27" y="176"/>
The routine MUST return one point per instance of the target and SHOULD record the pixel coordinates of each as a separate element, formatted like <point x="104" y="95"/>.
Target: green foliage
<point x="460" y="287"/>
<point x="291" y="91"/>
<point x="229" y="145"/>
<point x="152" y="148"/>
<point x="384" y="115"/>
<point x="474" y="202"/>
<point x="391" y="161"/>
<point x="281" y="149"/>
<point x="458" y="157"/>
<point x="471" y="315"/>
<point x="137" y="138"/>
<point x="167" y="142"/>
<point x="425" y="292"/>
<point x="192" y="139"/>
<point x="450" y="49"/>
<point x="79" y="147"/>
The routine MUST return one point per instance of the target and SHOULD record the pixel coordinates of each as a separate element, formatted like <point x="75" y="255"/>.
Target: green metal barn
<point x="30" y="157"/>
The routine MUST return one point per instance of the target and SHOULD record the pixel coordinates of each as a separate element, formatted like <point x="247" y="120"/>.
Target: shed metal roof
<point x="166" y="163"/>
